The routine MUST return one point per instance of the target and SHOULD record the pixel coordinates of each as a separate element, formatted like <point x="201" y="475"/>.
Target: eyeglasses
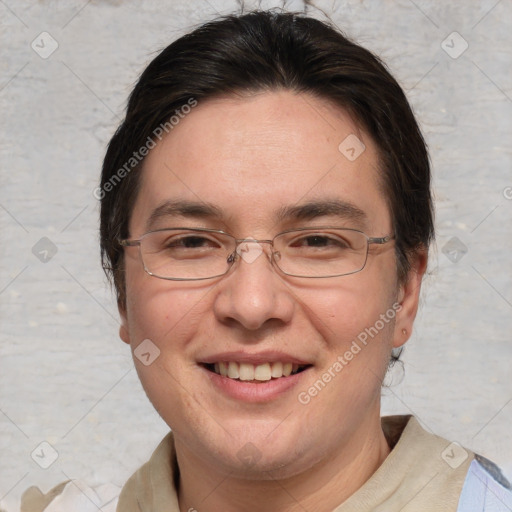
<point x="186" y="254"/>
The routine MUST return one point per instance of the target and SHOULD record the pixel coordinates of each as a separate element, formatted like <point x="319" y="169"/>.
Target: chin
<point x="265" y="466"/>
<point x="262" y="458"/>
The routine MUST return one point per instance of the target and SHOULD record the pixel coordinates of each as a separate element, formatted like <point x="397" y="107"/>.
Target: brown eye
<point x="320" y="241"/>
<point x="190" y="242"/>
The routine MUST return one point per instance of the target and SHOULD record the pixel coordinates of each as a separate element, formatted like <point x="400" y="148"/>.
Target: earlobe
<point x="408" y="298"/>
<point x="123" y="326"/>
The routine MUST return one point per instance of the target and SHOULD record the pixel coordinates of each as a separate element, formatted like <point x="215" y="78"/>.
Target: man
<point x="266" y="216"/>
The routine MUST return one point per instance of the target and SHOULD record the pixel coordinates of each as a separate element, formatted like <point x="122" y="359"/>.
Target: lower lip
<point x="263" y="391"/>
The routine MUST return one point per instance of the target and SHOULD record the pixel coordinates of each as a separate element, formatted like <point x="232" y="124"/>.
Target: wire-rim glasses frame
<point x="233" y="255"/>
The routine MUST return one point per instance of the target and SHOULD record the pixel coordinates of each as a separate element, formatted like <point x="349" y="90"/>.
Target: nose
<point x="253" y="294"/>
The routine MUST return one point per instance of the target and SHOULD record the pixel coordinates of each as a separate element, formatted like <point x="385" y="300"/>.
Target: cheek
<point x="343" y="310"/>
<point x="160" y="310"/>
<point x="169" y="317"/>
<point x="356" y="332"/>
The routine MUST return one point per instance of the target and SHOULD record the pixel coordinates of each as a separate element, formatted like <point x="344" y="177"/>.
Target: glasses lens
<point x="186" y="254"/>
<point x="321" y="252"/>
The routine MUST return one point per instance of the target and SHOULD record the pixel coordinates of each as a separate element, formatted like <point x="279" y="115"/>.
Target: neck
<point x="321" y="487"/>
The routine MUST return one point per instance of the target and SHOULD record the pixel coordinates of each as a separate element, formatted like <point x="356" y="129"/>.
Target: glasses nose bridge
<point x="245" y="253"/>
<point x="239" y="241"/>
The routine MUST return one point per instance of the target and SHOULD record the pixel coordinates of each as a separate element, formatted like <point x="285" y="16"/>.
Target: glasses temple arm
<point x="381" y="240"/>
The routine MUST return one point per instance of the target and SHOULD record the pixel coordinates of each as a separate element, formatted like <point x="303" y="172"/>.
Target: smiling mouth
<point x="248" y="372"/>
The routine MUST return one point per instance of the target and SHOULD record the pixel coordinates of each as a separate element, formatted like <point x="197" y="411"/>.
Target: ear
<point x="408" y="298"/>
<point x="123" y="326"/>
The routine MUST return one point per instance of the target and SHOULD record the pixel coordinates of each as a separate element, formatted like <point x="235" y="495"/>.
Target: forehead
<point x="253" y="157"/>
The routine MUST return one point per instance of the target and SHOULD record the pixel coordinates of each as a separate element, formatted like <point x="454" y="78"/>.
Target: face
<point x="249" y="158"/>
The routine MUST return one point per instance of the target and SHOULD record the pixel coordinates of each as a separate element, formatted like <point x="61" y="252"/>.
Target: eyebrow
<point x="182" y="208"/>
<point x="306" y="211"/>
<point x="313" y="209"/>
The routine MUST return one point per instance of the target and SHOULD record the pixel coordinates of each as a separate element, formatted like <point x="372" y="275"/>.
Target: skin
<point x="250" y="155"/>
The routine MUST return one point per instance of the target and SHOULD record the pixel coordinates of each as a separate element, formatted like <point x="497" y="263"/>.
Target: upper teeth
<point x="248" y="371"/>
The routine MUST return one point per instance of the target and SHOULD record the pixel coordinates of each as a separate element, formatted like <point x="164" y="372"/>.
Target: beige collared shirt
<point x="423" y="473"/>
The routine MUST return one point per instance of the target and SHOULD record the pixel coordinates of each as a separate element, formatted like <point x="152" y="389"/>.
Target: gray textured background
<point x="65" y="376"/>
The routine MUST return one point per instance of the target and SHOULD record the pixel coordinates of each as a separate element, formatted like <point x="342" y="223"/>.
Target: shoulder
<point x="485" y="488"/>
<point x="73" y="495"/>
<point x="154" y="484"/>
